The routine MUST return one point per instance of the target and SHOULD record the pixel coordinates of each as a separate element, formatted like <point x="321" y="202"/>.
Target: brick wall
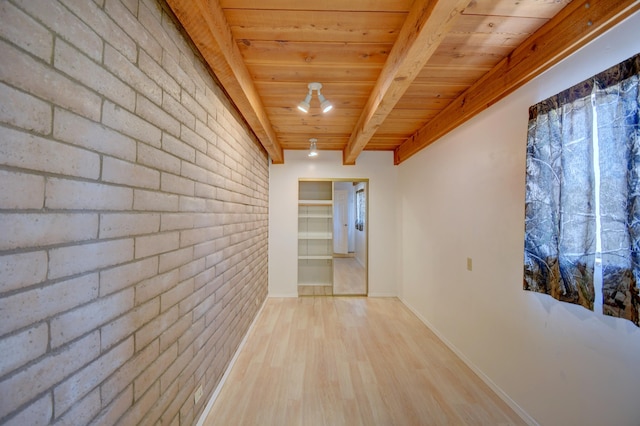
<point x="133" y="217"/>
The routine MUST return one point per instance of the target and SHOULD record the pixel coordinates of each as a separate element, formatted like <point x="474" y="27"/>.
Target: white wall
<point x="283" y="215"/>
<point x="464" y="197"/>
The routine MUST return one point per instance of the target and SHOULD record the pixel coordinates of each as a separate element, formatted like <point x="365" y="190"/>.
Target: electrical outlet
<point x="469" y="264"/>
<point x="198" y="394"/>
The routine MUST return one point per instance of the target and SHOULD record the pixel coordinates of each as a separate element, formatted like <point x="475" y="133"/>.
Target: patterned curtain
<point x="617" y="101"/>
<point x="360" y="207"/>
<point x="560" y="220"/>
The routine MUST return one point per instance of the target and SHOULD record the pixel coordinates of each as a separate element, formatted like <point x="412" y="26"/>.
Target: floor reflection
<point x="349" y="277"/>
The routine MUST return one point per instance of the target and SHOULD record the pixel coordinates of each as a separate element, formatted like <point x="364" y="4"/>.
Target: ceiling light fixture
<point x="304" y="105"/>
<point x="313" y="149"/>
<point x="325" y="105"/>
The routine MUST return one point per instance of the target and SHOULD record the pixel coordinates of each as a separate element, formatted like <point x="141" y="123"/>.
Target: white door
<point x="340" y="221"/>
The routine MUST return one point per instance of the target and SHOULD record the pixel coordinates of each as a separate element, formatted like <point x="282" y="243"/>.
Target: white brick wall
<point x="14" y="24"/>
<point x="128" y="123"/>
<point x="36" y="153"/>
<point x="46" y="83"/>
<point x="123" y="224"/>
<point x="73" y="129"/>
<point x="72" y="63"/>
<point x="25" y="111"/>
<point x="133" y="217"/>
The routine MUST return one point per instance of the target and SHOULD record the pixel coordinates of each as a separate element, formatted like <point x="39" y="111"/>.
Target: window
<point x="582" y="207"/>
<point x="360" y="209"/>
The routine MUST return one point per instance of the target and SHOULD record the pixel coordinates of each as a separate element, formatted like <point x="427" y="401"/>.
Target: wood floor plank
<point x="349" y="277"/>
<point x="351" y="361"/>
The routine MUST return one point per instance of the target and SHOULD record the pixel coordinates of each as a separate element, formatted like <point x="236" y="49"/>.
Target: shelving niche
<point x="315" y="238"/>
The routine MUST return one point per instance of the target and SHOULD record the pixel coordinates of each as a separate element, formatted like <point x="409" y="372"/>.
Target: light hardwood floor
<point x="349" y="277"/>
<point x="351" y="361"/>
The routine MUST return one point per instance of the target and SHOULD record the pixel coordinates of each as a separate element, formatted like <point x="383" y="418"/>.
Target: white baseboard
<point x="510" y="402"/>
<point x="222" y="381"/>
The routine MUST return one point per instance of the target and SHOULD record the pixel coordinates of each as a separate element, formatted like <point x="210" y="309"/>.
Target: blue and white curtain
<point x="584" y="137"/>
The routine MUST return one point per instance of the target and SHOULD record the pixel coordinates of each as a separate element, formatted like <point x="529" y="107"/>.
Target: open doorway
<point x="332" y="237"/>
<point x="350" y="238"/>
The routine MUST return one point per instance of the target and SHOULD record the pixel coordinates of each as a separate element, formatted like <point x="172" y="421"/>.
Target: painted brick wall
<point x="133" y="217"/>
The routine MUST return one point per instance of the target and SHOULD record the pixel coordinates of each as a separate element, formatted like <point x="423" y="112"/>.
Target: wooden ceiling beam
<point x="575" y="25"/>
<point x="205" y="23"/>
<point x="422" y="32"/>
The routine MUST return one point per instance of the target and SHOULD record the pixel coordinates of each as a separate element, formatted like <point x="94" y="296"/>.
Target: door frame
<point x="355" y="182"/>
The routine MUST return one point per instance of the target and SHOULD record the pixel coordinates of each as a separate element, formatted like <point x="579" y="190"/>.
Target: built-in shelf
<point x="315" y="202"/>
<point x="314" y="216"/>
<point x="315" y="237"/>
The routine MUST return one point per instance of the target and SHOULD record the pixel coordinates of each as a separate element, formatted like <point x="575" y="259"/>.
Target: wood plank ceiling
<point x="400" y="73"/>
